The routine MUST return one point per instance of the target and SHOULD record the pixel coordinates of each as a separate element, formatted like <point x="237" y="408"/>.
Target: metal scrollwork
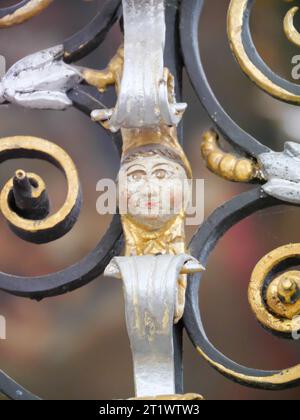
<point x="52" y="227"/>
<point x="48" y="79"/>
<point x="242" y="45"/>
<point x="201" y="247"/>
<point x="273" y="289"/>
<point x="85" y="99"/>
<point x="291" y="32"/>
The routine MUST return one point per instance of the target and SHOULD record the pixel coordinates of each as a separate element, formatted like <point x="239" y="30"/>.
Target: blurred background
<point x="76" y="346"/>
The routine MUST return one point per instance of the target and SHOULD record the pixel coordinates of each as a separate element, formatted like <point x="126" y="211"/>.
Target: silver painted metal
<point x="150" y="289"/>
<point x="282" y="170"/>
<point x="144" y="99"/>
<point x="40" y="80"/>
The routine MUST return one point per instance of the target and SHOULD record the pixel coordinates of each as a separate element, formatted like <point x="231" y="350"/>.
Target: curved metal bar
<point x="71" y="278"/>
<point x="291" y="32"/>
<point x="201" y="247"/>
<point x="93" y="34"/>
<point x="6" y="11"/>
<point x="14" y="391"/>
<point x="22" y="11"/>
<point x="242" y="45"/>
<point x="111" y="244"/>
<point x="85" y="98"/>
<point x="255" y="58"/>
<point x="190" y="15"/>
<point x="58" y="224"/>
<point x="88" y="98"/>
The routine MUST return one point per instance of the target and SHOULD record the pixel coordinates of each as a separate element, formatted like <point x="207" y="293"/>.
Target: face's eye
<point x="162" y="174"/>
<point x="137" y="176"/>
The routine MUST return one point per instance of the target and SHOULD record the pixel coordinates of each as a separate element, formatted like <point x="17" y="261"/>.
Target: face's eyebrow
<point x="160" y="164"/>
<point x="135" y="165"/>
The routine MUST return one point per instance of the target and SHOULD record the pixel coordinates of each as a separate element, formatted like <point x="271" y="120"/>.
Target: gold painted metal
<point x="277" y="316"/>
<point x="62" y="160"/>
<point x="283" y="287"/>
<point x="161" y="136"/>
<point x="234" y="29"/>
<point x="288" y="287"/>
<point x="283" y="377"/>
<point x="291" y="32"/>
<point x="175" y="397"/>
<point x="102" y="79"/>
<point x="283" y="297"/>
<point x="227" y="165"/>
<point x="170" y="239"/>
<point x="142" y="241"/>
<point x="111" y="76"/>
<point x="136" y="138"/>
<point x="29" y="10"/>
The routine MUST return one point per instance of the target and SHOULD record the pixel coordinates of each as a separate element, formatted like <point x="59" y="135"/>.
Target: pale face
<point x="154" y="189"/>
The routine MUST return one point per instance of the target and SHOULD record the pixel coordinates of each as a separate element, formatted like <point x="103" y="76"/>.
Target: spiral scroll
<point x="291" y="32"/>
<point x="274" y="292"/>
<point x="264" y="285"/>
<point x="248" y="58"/>
<point x="54" y="226"/>
<point x="201" y="246"/>
<point x="85" y="99"/>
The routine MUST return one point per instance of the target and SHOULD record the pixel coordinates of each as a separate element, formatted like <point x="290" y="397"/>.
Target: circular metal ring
<point x="58" y="224"/>
<point x="73" y="277"/>
<point x="248" y="58"/>
<point x="13" y="390"/>
<point x="94" y="33"/>
<point x="259" y="280"/>
<point x="290" y="30"/>
<point x="201" y="246"/>
<point x="111" y="245"/>
<point x="190" y="14"/>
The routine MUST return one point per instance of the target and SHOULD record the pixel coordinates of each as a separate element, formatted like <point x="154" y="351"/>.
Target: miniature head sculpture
<point x="153" y="187"/>
<point x="154" y="191"/>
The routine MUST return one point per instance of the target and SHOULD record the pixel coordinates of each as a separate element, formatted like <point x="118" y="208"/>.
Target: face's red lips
<point x="151" y="204"/>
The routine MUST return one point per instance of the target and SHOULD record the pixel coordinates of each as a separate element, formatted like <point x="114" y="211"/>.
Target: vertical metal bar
<point x="150" y="288"/>
<point x="173" y="60"/>
<point x="172" y="56"/>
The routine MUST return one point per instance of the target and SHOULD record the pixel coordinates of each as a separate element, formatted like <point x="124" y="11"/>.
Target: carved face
<point x="154" y="189"/>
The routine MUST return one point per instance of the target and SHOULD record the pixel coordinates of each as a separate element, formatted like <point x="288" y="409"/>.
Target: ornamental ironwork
<point x="160" y="272"/>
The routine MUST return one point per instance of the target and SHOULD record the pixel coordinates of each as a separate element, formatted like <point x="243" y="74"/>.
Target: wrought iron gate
<point x="274" y="290"/>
